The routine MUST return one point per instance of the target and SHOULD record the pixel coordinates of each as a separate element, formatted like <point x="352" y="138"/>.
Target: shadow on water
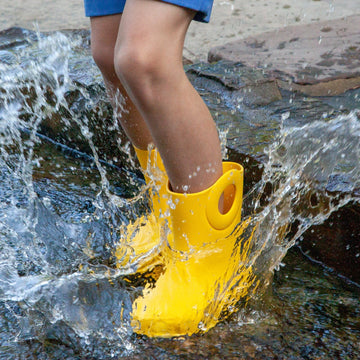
<point x="63" y="214"/>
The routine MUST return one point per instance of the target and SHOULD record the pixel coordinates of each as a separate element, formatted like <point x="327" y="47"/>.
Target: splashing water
<point x="42" y="256"/>
<point x="302" y="162"/>
<point x="57" y="281"/>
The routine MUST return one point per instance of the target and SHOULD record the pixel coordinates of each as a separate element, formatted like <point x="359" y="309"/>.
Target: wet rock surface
<point x="248" y="105"/>
<point x="336" y="242"/>
<point x="255" y="127"/>
<point x="85" y="97"/>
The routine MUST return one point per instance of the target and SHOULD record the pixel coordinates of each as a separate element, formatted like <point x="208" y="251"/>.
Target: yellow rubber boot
<point x="143" y="236"/>
<point x="200" y="262"/>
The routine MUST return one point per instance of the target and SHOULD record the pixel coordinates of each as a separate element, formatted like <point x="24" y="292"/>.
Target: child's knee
<point x="139" y="67"/>
<point x="131" y="62"/>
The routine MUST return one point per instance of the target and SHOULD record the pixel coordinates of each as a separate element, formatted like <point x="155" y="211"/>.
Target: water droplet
<point x="185" y="188"/>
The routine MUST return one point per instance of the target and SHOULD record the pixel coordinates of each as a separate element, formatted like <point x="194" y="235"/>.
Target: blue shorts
<point x="110" y="7"/>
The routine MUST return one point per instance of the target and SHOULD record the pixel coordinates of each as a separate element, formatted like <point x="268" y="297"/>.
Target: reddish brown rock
<point x="318" y="59"/>
<point x="336" y="242"/>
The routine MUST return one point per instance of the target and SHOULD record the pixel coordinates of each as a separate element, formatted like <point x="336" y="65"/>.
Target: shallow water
<point x="62" y="216"/>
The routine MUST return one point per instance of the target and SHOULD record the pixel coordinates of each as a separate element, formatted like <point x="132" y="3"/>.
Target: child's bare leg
<point x="104" y="31"/>
<point x="148" y="61"/>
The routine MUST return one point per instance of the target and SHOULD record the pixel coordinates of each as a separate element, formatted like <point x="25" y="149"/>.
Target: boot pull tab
<point x="233" y="177"/>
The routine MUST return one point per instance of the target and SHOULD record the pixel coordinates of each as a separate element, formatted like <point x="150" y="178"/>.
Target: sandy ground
<point x="231" y="19"/>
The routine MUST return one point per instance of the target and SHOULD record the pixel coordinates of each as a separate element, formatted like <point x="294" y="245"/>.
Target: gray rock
<point x="252" y="126"/>
<point x="235" y="82"/>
